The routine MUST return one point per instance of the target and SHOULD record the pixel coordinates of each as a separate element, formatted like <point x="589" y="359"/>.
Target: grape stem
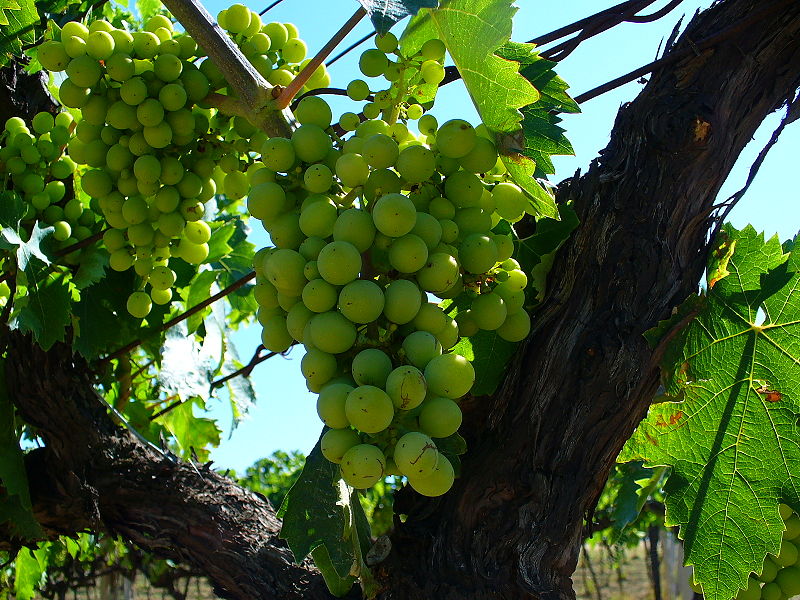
<point x="181" y="317"/>
<point x="251" y="88"/>
<point x="291" y="90"/>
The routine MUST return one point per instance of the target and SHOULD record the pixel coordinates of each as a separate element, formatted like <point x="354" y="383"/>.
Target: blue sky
<point x="285" y="415"/>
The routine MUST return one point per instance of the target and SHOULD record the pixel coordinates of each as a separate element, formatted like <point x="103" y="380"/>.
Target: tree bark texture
<point x="541" y="448"/>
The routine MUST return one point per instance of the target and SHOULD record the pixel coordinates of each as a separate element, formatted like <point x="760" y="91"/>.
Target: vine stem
<point x="181" y="317"/>
<point x="291" y="90"/>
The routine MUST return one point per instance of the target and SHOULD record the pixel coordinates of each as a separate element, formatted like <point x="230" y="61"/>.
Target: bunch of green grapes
<point x="374" y="234"/>
<point x="779" y="578"/>
<point x="37" y="168"/>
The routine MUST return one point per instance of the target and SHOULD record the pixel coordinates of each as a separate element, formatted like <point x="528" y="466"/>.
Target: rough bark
<point x="541" y="449"/>
<point x="93" y="474"/>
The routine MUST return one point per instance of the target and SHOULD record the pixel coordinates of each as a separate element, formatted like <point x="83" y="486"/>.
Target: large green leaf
<point x="45" y="312"/>
<point x="194" y="435"/>
<point x="385" y="13"/>
<point x="321" y="509"/>
<point x="731" y="434"/>
<point x="27" y="574"/>
<point x="19" y="30"/>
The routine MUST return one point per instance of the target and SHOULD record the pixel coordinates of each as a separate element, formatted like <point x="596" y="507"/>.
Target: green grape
<point x="150" y="112"/>
<point x="402" y="301"/>
<point x="294" y="51"/>
<point x="62" y="231"/>
<point x="318" y="179"/>
<point x="139" y="305"/>
<point x="100" y="45"/>
<point x="430" y="318"/>
<point x="414" y="112"/>
<point x="442" y="208"/>
<point x="386" y="42"/>
<point x="197" y="232"/>
<point x="145" y="44"/>
<point x="167" y="67"/>
<point x="158" y="136"/>
<point x="792" y="525"/>
<point x="428" y="229"/>
<point x="311" y="247"/>
<point x="311" y="143"/>
<point x="440" y="417"/>
<point x="285" y="271"/>
<point x="421" y="347"/>
<point x="381" y="182"/>
<point x="489" y="311"/>
<point x="514" y="299"/>
<point x="313" y="110"/>
<point x="477" y="253"/>
<point x="785" y="511"/>
<point x="358" y="90"/>
<point x="380" y="151"/>
<point x="467" y="327"/>
<point x="96" y="183"/>
<point x="463" y="189"/>
<point x="173" y="97"/>
<point x="361" y="301"/>
<point x="282" y="77"/>
<point x="285" y="230"/>
<point x="297" y="319"/>
<point x="162" y="278"/>
<point x="194" y="254"/>
<point x="363" y="466"/>
<point x="278" y="34"/>
<point x="788" y="579"/>
<point x="352" y="170"/>
<point x="772" y="591"/>
<point x="84" y="71"/>
<point x="432" y="72"/>
<point x="331" y="332"/>
<point x="406" y="387"/>
<point x="123" y="41"/>
<point x="120" y="260"/>
<point x="349" y="121"/>
<point x="330" y="405"/>
<point x="394" y="215"/>
<point x="318" y="368"/>
<point x="439" y="274"/>
<point x="455" y="138"/>
<point x="481" y="158"/>
<point x="416" y="164"/>
<point x="449" y="375"/>
<point x="53" y="56"/>
<point x="787" y="555"/>
<point x="161" y="296"/>
<point x="266" y="201"/>
<point x="373" y="63"/>
<point x="141" y="234"/>
<point x="510" y="201"/>
<point x="71" y="95"/>
<point x="769" y="570"/>
<point x="274" y="334"/>
<point x="319" y="295"/>
<point x="416" y="454"/>
<point x="433" y="49"/>
<point x="336" y="442"/>
<point x="265" y="294"/>
<point x="196" y="84"/>
<point x="371" y="367"/>
<point x="504" y="245"/>
<point x="437" y="482"/>
<point x="339" y="263"/>
<point x="43" y="123"/>
<point x="113" y="239"/>
<point x="369" y="409"/>
<point x="408" y="253"/>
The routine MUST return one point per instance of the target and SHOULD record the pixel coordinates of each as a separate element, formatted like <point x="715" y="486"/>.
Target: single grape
<point x="313" y="110"/>
<point x="320" y="296"/>
<point x="449" y="375"/>
<point x="477" y="253"/>
<point x="510" y="201"/>
<point x="432" y="72"/>
<point x="274" y="334"/>
<point x="402" y="301"/>
<point x="386" y="42"/>
<point x="339" y="263"/>
<point x="363" y="466"/>
<point x="440" y="417"/>
<point x="788" y="579"/>
<point x="416" y="164"/>
<point x="420" y="347"/>
<point x="408" y="253"/>
<point x="369" y="409"/>
<point x="416" y="454"/>
<point x="336" y="442"/>
<point x="318" y="368"/>
<point x="439" y="274"/>
<point x="311" y="143"/>
<point x="373" y="63"/>
<point x="406" y="387"/>
<point x="358" y="90"/>
<point x="394" y="215"/>
<point x="53" y="56"/>
<point x="318" y="179"/>
<point x="330" y="405"/>
<point x="285" y="271"/>
<point x="380" y="151"/>
<point x="436" y="483"/>
<point x="361" y="301"/>
<point x="352" y="170"/>
<point x="371" y="367"/>
<point x="139" y="305"/>
<point x="489" y="311"/>
<point x="455" y="138"/>
<point x="331" y="332"/>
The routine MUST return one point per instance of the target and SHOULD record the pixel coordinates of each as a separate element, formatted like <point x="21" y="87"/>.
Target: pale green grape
<point x="361" y="301"/>
<point x="197" y="232"/>
<point x="285" y="230"/>
<point x="408" y="253"/>
<point x="416" y="164"/>
<point x="435" y="483"/>
<point x="787" y="555"/>
<point x="330" y="405"/>
<point x="278" y="154"/>
<point x="352" y="170"/>
<point x="84" y="71"/>
<point x="510" y="201"/>
<point x="339" y="263"/>
<point x="402" y="301"/>
<point x="369" y="409"/>
<point x="320" y="296"/>
<point x="386" y="42"/>
<point x="406" y="387"/>
<point x="266" y="200"/>
<point x="381" y="182"/>
<point x="477" y="253"/>
<point x="481" y="158"/>
<point x="274" y="334"/>
<point x="310" y="142"/>
<point x="194" y="254"/>
<point x="265" y="294"/>
<point x="463" y="189"/>
<point x="415" y="454"/>
<point x="788" y="579"/>
<point x="173" y="97"/>
<point x="318" y="218"/>
<point x="428" y="229"/>
<point x="373" y="62"/>
<point x="439" y="274"/>
<point x="311" y="247"/>
<point x="297" y="319"/>
<point x="336" y="442"/>
<point x="161" y="296"/>
<point x="514" y="299"/>
<point x="285" y="271"/>
<point x="371" y="367"/>
<point x="442" y="208"/>
<point x="331" y="332"/>
<point x="769" y="570"/>
<point x="349" y="121"/>
<point x="317" y="367"/>
<point x="380" y="151"/>
<point x="53" y="56"/>
<point x="505" y="246"/>
<point x="432" y="72"/>
<point x="363" y="466"/>
<point x="420" y="347"/>
<point x="356" y="227"/>
<point x="120" y="260"/>
<point x="455" y="138"/>
<point x="313" y="110"/>
<point x="440" y="417"/>
<point x="449" y="375"/>
<point x="772" y="591"/>
<point x="139" y="305"/>
<point x="489" y="311"/>
<point x="318" y="179"/>
<point x="358" y="90"/>
<point x="430" y="318"/>
<point x="414" y="112"/>
<point x="394" y="215"/>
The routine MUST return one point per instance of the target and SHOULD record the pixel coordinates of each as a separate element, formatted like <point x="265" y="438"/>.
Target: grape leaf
<point x="92" y="267"/>
<point x="187" y="368"/>
<point x="15" y="501"/>
<point x="638" y="482"/>
<point x="27" y="574"/>
<point x="12" y="209"/>
<point x="199" y="290"/>
<point x="193" y="434"/>
<point x="19" y="30"/>
<point x="730" y="435"/>
<point x="46" y="314"/>
<point x="321" y="510"/>
<point x="385" y="13"/>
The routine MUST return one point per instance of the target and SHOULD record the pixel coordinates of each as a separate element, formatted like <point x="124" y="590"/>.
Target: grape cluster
<point x="371" y="232"/>
<point x="779" y="578"/>
<point x="154" y="153"/>
<point x="38" y="167"/>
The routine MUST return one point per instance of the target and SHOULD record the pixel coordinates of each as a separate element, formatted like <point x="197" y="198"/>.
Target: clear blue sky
<point x="285" y="415"/>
